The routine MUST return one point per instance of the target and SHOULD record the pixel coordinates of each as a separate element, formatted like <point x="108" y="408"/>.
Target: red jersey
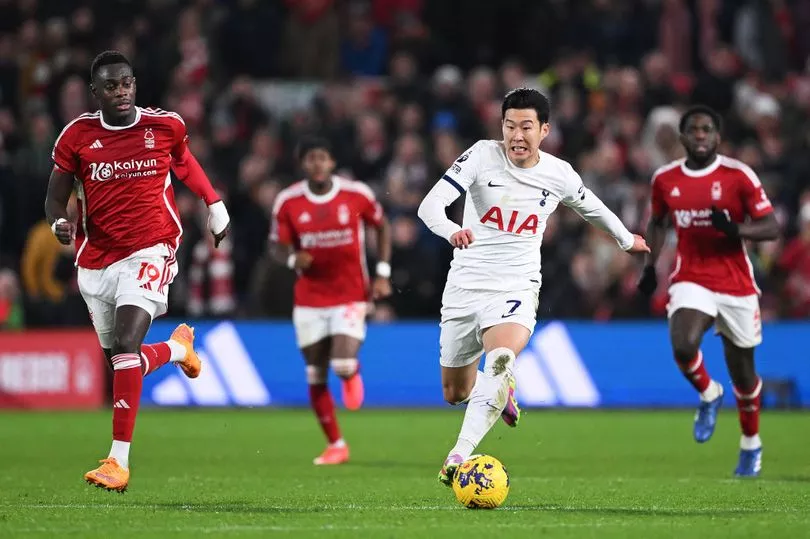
<point x="330" y="227"/>
<point x="126" y="200"/>
<point x="705" y="255"/>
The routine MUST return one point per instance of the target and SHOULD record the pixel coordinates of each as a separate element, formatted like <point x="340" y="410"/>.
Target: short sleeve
<point x="658" y="203"/>
<point x="280" y="228"/>
<point x="370" y="210"/>
<point x="180" y="138"/>
<point x="64" y="155"/>
<point x="463" y="172"/>
<point x="756" y="201"/>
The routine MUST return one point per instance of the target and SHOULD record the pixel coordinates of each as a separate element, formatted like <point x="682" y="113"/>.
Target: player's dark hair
<point x="107" y="58"/>
<point x="527" y="98"/>
<point x="701" y="109"/>
<point x="308" y="144"/>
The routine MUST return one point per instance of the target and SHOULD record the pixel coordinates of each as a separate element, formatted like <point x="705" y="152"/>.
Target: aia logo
<point x="495" y="216"/>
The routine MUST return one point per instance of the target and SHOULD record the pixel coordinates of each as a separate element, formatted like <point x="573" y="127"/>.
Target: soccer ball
<point x="481" y="482"/>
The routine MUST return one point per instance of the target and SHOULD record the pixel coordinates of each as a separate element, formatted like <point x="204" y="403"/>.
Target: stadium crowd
<point x="401" y="88"/>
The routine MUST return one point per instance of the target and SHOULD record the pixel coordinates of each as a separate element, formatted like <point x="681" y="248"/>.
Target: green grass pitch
<point x="248" y="473"/>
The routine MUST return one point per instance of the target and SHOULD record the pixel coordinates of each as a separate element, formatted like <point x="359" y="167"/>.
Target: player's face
<point x="522" y="135"/>
<point x="318" y="165"/>
<point x="700" y="138"/>
<point x="114" y="88"/>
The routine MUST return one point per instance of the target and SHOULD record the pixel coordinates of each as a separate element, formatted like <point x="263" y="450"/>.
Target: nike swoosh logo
<point x="508" y="315"/>
<point x="490" y="184"/>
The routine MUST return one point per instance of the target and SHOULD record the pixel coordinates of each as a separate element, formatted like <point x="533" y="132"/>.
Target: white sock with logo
<point x="487" y="400"/>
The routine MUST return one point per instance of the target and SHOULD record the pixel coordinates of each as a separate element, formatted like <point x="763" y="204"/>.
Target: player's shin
<point x="353" y="392"/>
<point x="487" y="401"/>
<point x="697" y="375"/>
<point x="748" y="407"/>
<point x="322" y="403"/>
<point x="127" y="384"/>
<point x="154" y="356"/>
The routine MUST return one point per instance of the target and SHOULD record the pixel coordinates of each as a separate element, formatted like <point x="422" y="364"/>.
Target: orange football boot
<point x="353" y="392"/>
<point x="333" y="455"/>
<point x="110" y="475"/>
<point x="191" y="365"/>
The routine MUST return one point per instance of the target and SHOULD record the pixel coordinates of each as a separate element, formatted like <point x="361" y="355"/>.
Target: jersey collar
<point x="109" y="127"/>
<point x="703" y="171"/>
<point x="327" y="196"/>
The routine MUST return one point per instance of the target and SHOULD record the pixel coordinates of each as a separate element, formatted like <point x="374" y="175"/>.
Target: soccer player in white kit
<point x="492" y="294"/>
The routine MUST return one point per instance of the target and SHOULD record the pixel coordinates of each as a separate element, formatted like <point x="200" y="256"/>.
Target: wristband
<point x="384" y="270"/>
<point x="291" y="261"/>
<point x="53" y="225"/>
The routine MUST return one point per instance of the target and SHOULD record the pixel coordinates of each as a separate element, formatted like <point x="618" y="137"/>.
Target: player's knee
<point x="126" y="343"/>
<point x="316" y="375"/>
<point x="685" y="348"/>
<point x="344" y="367"/>
<point x="454" y="393"/>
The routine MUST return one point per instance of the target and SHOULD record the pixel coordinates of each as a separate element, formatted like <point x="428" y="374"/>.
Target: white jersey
<point x="507" y="208"/>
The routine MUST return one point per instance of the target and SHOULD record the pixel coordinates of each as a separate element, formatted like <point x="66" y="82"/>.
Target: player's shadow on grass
<point x="637" y="511"/>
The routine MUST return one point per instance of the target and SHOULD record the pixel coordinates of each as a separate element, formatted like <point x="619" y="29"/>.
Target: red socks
<point x="321" y="400"/>
<point x="695" y="371"/>
<point x="154" y="356"/>
<point x="127" y="384"/>
<point x="748" y="405"/>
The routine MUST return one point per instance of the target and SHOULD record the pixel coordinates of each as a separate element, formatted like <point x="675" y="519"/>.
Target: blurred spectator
<point x="309" y="49"/>
<point x="364" y="47"/>
<point x="795" y="263"/>
<point x="402" y="88"/>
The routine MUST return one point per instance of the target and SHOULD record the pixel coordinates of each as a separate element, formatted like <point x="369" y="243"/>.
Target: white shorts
<point x="313" y="324"/>
<point x="141" y="279"/>
<point x="737" y="317"/>
<point x="467" y="313"/>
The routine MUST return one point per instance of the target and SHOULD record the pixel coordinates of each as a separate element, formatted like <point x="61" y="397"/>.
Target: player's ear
<point x="545" y="129"/>
<point x="93" y="90"/>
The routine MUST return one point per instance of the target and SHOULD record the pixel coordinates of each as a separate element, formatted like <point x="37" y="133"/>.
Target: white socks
<point x="120" y="452"/>
<point x="750" y="442"/>
<point x="487" y="400"/>
<point x="338" y="443"/>
<point x="712" y="392"/>
<point x="178" y="350"/>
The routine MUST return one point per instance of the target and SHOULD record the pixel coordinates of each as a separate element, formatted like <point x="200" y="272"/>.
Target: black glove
<point x="721" y="222"/>
<point x="649" y="281"/>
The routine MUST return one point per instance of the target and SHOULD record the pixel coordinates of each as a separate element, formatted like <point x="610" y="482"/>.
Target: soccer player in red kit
<point x="118" y="161"/>
<point x="318" y="230"/>
<point x="715" y="203"/>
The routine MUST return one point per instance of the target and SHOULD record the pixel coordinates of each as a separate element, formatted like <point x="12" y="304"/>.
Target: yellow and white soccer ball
<point x="481" y="482"/>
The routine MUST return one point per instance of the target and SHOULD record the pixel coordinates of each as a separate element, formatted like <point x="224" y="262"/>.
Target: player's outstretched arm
<point x="60" y="187"/>
<point x="765" y="228"/>
<point x="188" y="170"/>
<point x="433" y="212"/>
<point x="592" y="209"/>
